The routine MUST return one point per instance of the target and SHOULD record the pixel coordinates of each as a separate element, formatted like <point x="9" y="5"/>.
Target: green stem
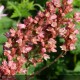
<point x="19" y="20"/>
<point x="41" y="8"/>
<point x="75" y="59"/>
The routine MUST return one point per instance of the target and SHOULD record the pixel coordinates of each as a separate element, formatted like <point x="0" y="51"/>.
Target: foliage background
<point x="66" y="68"/>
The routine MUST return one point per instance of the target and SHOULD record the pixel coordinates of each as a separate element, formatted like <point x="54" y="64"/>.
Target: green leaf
<point x="1" y="50"/>
<point x="15" y="8"/>
<point x="0" y="61"/>
<point x="76" y="3"/>
<point x="15" y="14"/>
<point x="77" y="68"/>
<point x="27" y="4"/>
<point x="76" y="9"/>
<point x="21" y="9"/>
<point x="30" y="70"/>
<point x="3" y="39"/>
<point x="6" y="23"/>
<point x="69" y="15"/>
<point x="11" y="7"/>
<point x="20" y="77"/>
<point x="3" y="31"/>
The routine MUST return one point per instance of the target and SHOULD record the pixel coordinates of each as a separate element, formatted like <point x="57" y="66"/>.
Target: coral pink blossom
<point x="69" y="1"/>
<point x="77" y="16"/>
<point x="21" y="26"/>
<point x="45" y="56"/>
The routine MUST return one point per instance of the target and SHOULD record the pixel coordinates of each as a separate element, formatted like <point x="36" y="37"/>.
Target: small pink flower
<point x="76" y="31"/>
<point x="1" y="12"/>
<point x="34" y="40"/>
<point x="41" y="35"/>
<point x="7" y="52"/>
<point x="54" y="24"/>
<point x="19" y="41"/>
<point x="9" y="57"/>
<point x="72" y="36"/>
<point x="21" y="59"/>
<point x="57" y="3"/>
<point x="63" y="47"/>
<point x="39" y="29"/>
<point x="4" y="63"/>
<point x="12" y="65"/>
<point x="26" y="49"/>
<point x="8" y="45"/>
<point x="23" y="71"/>
<point x="47" y="14"/>
<point x="30" y="19"/>
<point x="69" y="1"/>
<point x="40" y="14"/>
<point x="77" y="16"/>
<point x="33" y="61"/>
<point x="62" y="31"/>
<point x="12" y="31"/>
<point x="54" y="16"/>
<point x="45" y="56"/>
<point x="21" y="26"/>
<point x="53" y="49"/>
<point x="51" y="41"/>
<point x="72" y="47"/>
<point x="43" y="50"/>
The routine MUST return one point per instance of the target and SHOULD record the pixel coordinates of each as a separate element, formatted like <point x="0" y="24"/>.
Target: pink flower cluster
<point x="37" y="36"/>
<point x="69" y="34"/>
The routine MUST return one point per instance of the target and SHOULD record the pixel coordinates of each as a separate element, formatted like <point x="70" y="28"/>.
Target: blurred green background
<point x="66" y="68"/>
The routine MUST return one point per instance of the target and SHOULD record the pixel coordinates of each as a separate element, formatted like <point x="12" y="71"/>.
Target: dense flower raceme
<point x="37" y="36"/>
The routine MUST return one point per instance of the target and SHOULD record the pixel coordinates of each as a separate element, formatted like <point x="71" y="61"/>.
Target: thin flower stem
<point x="75" y="59"/>
<point x="41" y="8"/>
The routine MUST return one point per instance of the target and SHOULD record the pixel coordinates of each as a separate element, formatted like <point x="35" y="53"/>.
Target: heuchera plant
<point x="36" y="37"/>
